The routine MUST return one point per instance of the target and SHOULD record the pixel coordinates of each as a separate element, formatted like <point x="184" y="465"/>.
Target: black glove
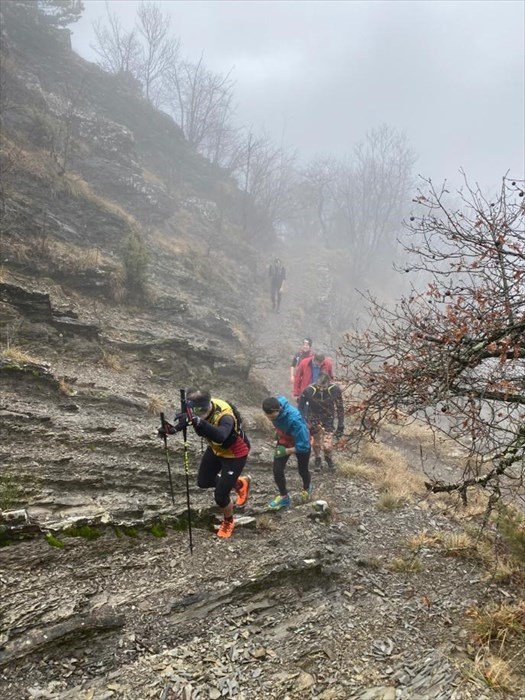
<point x="166" y="429"/>
<point x="181" y="421"/>
<point x="195" y="421"/>
<point x="339" y="432"/>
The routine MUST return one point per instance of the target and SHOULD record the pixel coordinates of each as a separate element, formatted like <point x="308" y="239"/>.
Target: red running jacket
<point x="303" y="374"/>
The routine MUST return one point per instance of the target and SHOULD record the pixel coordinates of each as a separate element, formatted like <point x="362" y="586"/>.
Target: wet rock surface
<point x="101" y="597"/>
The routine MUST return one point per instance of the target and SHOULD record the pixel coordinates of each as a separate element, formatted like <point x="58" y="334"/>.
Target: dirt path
<point x="296" y="606"/>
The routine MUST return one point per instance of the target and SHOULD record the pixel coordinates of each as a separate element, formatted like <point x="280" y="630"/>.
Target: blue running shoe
<point x="279" y="502"/>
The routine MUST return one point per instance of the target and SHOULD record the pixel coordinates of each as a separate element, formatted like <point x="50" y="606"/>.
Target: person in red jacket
<point x="308" y="371"/>
<point x="304" y="351"/>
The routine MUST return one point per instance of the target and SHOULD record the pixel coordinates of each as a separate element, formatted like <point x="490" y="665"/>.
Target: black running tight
<point x="220" y="473"/>
<point x="279" y="463"/>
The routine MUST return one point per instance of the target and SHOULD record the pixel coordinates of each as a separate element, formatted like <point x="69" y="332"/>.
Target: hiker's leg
<point x="327" y="442"/>
<point x="208" y="470"/>
<point x="317" y="439"/>
<point x="279" y="463"/>
<point x="302" y="465"/>
<point x="231" y="469"/>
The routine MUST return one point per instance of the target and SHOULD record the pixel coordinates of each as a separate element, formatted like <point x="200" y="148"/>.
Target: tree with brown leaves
<point x="452" y="351"/>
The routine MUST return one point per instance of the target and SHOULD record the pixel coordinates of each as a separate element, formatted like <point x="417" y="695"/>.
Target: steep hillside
<point x="88" y="168"/>
<point x="124" y="275"/>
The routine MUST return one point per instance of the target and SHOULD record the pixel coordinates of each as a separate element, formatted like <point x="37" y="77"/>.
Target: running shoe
<point x="244" y="490"/>
<point x="306" y="495"/>
<point x="279" y="502"/>
<point x="226" y="529"/>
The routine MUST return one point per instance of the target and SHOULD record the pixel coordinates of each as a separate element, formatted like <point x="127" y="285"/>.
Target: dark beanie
<point x="271" y="404"/>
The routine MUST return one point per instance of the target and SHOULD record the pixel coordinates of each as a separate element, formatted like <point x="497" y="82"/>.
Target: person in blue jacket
<point x="293" y="437"/>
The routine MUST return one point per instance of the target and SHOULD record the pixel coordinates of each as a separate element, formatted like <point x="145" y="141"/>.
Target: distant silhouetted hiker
<point x="318" y="403"/>
<point x="219" y="423"/>
<point x="292" y="438"/>
<point x="303" y="353"/>
<point x="277" y="274"/>
<point x="308" y="370"/>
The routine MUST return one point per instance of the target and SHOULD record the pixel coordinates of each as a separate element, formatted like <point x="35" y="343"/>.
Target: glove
<point x="165" y="430"/>
<point x="280" y="451"/>
<point x="181" y="421"/>
<point x="196" y="421"/>
<point x="339" y="432"/>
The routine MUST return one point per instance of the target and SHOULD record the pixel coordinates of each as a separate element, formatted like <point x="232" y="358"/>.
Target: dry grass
<point x="65" y="388"/>
<point x="497" y="623"/>
<point x="240" y="335"/>
<point x="77" y="187"/>
<point x="389" y="471"/>
<point x="110" y="361"/>
<point x="423" y="540"/>
<point x="69" y="256"/>
<point x="460" y="546"/>
<point x="152" y="178"/>
<point x="266" y="522"/>
<point x="412" y="565"/>
<point x="36" y="162"/>
<point x="499" y="632"/>
<point x="4" y="274"/>
<point x="495" y="672"/>
<point x="155" y="405"/>
<point x="39" y="164"/>
<point x="16" y="354"/>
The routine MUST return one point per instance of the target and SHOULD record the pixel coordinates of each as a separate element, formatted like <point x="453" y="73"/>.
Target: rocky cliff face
<point x="99" y="595"/>
<point x="86" y="164"/>
<point x="90" y="169"/>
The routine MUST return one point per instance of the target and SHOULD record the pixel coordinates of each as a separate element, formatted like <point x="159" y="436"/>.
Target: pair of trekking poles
<point x="184" y="409"/>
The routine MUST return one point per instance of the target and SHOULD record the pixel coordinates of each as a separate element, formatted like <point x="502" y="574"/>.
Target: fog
<point x="319" y="75"/>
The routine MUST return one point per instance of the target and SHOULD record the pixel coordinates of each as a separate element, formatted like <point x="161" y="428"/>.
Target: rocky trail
<point x="299" y="604"/>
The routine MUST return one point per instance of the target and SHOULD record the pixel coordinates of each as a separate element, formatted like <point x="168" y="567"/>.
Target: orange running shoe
<point x="242" y="493"/>
<point x="226" y="529"/>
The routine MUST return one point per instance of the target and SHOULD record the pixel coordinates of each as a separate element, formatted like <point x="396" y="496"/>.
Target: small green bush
<point x="54" y="541"/>
<point x="135" y="258"/>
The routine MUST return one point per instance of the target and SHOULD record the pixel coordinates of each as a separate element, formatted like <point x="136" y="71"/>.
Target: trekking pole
<point x="163" y="423"/>
<point x="184" y="409"/>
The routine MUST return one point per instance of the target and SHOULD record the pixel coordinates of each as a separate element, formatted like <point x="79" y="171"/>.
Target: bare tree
<point x="118" y="49"/>
<point x="372" y="193"/>
<point x="357" y="203"/>
<point x="158" y="49"/>
<point x="315" y="199"/>
<point x="266" y="173"/>
<point x="452" y="352"/>
<point x="201" y="102"/>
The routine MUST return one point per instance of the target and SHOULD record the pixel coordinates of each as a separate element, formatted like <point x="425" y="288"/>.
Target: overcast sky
<point x="320" y="74"/>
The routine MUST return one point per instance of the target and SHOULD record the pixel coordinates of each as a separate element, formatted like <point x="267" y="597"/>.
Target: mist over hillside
<point x="136" y="237"/>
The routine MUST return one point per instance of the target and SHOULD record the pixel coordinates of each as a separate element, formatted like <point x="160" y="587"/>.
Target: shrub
<point x="135" y="258"/>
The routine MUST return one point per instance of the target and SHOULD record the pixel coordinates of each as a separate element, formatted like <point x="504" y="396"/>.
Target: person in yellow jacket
<point x="223" y="461"/>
